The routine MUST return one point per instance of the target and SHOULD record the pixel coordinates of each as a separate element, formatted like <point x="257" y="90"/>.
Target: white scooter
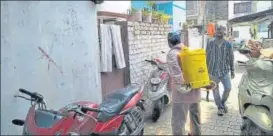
<point x="256" y="96"/>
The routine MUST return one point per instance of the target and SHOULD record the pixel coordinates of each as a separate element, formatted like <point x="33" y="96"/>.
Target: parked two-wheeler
<point x="256" y="96"/>
<point x="121" y="113"/>
<point x="158" y="88"/>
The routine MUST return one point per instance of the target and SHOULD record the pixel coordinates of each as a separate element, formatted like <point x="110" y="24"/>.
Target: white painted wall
<point x="115" y="6"/>
<point x="261" y="5"/>
<point x="243" y="32"/>
<point x="179" y="15"/>
<point x="67" y="32"/>
<point x="231" y="9"/>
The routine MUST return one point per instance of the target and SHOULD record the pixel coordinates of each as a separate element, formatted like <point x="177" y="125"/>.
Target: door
<point x="118" y="78"/>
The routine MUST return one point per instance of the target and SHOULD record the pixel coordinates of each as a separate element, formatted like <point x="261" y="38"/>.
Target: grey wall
<point x="219" y="10"/>
<point x="67" y="32"/>
<point x="215" y="10"/>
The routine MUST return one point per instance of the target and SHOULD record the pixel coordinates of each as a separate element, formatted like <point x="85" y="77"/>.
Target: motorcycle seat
<point x="115" y="102"/>
<point x="46" y="119"/>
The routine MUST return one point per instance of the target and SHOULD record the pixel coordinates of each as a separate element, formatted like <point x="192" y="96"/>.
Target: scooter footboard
<point x="260" y="116"/>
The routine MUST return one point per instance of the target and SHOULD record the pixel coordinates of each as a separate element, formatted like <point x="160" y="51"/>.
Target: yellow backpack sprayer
<point x="194" y="67"/>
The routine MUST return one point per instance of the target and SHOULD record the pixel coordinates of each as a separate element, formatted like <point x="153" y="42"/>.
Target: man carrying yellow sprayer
<point x="183" y="97"/>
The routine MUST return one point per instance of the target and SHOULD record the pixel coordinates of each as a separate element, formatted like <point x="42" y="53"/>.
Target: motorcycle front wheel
<point x="136" y="117"/>
<point x="141" y="132"/>
<point x="249" y="128"/>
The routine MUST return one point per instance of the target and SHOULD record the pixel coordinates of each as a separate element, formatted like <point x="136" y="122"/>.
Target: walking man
<point x="184" y="98"/>
<point x="220" y="63"/>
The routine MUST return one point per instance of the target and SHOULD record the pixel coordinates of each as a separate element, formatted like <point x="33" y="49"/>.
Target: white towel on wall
<point x="106" y="48"/>
<point x="195" y="39"/>
<point x="117" y="46"/>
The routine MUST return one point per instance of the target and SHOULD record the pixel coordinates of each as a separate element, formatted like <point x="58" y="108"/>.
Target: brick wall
<point x="145" y="41"/>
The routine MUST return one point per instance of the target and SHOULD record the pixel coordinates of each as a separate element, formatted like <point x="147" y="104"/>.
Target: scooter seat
<point x="115" y="102"/>
<point x="46" y="119"/>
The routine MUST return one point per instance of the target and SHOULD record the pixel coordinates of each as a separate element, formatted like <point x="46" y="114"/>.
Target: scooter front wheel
<point x="158" y="109"/>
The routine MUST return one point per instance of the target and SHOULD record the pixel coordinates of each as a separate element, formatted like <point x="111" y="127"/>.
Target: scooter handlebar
<point x="152" y="62"/>
<point x="244" y="51"/>
<point x="241" y="62"/>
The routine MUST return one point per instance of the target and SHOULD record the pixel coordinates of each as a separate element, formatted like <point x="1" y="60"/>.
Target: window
<point x="263" y="27"/>
<point x="236" y="34"/>
<point x="243" y="7"/>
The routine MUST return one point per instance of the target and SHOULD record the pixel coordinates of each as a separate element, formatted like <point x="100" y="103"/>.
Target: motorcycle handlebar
<point x="34" y="95"/>
<point x="26" y="92"/>
<point x="90" y="109"/>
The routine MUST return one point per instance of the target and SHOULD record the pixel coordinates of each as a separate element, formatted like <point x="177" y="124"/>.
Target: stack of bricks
<point x="146" y="41"/>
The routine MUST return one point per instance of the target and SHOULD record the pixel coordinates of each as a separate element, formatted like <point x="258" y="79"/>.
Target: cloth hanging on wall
<point x="117" y="46"/>
<point x="211" y="29"/>
<point x="106" y="48"/>
<point x="195" y="39"/>
<point x="111" y="46"/>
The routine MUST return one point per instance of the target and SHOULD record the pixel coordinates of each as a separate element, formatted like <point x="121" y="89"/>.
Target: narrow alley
<point x="96" y="67"/>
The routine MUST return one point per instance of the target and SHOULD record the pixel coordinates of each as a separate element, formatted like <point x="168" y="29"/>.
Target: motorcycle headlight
<point x="155" y="80"/>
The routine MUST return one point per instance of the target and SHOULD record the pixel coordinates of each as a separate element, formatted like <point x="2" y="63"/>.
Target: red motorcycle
<point x="121" y="113"/>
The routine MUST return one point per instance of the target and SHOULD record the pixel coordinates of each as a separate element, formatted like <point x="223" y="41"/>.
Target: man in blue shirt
<point x="220" y="62"/>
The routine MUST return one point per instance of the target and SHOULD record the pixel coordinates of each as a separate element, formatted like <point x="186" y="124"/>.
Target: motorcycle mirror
<point x="18" y="122"/>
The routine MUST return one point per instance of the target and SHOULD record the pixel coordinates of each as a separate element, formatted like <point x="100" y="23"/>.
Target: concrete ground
<point x="211" y="123"/>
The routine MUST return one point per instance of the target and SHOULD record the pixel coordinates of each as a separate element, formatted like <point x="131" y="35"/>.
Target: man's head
<point x="174" y="38"/>
<point x="220" y="32"/>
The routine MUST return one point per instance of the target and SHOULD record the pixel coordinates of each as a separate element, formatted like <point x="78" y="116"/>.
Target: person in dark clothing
<point x="220" y="62"/>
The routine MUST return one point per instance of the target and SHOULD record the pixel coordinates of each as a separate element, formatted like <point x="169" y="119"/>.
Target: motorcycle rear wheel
<point x="249" y="128"/>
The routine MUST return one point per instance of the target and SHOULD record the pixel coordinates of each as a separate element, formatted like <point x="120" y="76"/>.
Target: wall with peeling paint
<point x="50" y="47"/>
